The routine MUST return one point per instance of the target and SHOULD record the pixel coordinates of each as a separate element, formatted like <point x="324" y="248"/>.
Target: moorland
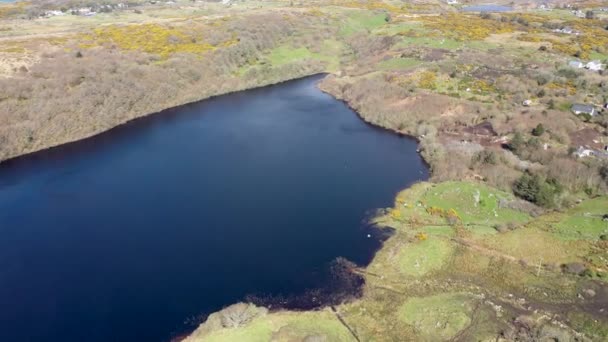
<point x="509" y="238"/>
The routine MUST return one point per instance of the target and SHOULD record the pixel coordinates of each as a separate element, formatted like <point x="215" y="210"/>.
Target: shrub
<point x="485" y="157"/>
<point x="501" y="228"/>
<point x="574" y="268"/>
<point x="537" y="190"/>
<point x="604" y="173"/>
<point x="538" y="130"/>
<point x="517" y="143"/>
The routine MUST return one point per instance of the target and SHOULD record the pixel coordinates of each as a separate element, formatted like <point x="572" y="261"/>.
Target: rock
<point x="589" y="293"/>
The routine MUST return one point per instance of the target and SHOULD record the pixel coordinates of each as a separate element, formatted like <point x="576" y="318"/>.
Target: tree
<point x="517" y="143"/>
<point x="538" y="130"/>
<point x="527" y="187"/>
<point x="535" y="189"/>
<point x="604" y="173"/>
<point x="589" y="15"/>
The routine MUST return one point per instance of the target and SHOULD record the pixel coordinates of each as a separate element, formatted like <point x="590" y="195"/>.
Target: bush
<point x="485" y="157"/>
<point x="535" y="189"/>
<point x="604" y="173"/>
<point x="538" y="130"/>
<point x="517" y="143"/>
<point x="574" y="268"/>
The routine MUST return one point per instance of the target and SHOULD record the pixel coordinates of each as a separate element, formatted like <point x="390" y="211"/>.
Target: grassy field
<point x="359" y="21"/>
<point x="398" y="63"/>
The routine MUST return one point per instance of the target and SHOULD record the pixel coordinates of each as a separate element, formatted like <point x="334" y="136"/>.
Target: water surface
<point x="124" y="236"/>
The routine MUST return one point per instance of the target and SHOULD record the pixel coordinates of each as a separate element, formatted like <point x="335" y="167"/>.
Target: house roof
<point x="577" y="107"/>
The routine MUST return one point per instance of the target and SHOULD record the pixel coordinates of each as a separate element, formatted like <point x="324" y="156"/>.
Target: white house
<point x="594" y="65"/>
<point x="583" y="152"/>
<point x="84" y="11"/>
<point x="578" y="109"/>
<point x="576" y="64"/>
<point x="452" y="2"/>
<point x="579" y="13"/>
<point x="566" y="30"/>
<point x="49" y="14"/>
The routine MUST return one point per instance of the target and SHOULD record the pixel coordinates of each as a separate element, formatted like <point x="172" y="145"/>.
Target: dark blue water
<point x="124" y="236"/>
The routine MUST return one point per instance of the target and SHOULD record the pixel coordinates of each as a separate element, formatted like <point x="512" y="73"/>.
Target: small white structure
<point x="576" y="64"/>
<point x="49" y="14"/>
<point x="594" y="65"/>
<point x="582" y="152"/>
<point x="452" y="2"/>
<point x="527" y="103"/>
<point x="566" y="30"/>
<point x="84" y="11"/>
<point x="578" y="109"/>
<point x="579" y="13"/>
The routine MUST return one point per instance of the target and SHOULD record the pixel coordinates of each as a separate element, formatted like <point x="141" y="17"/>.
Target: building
<point x="582" y="152"/>
<point x="576" y="64"/>
<point x="583" y="109"/>
<point x="594" y="65"/>
<point x="579" y="13"/>
<point x="566" y="30"/>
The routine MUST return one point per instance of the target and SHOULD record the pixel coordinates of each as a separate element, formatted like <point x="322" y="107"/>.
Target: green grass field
<point x="584" y="221"/>
<point x="439" y="317"/>
<point x="361" y="21"/>
<point x="398" y="63"/>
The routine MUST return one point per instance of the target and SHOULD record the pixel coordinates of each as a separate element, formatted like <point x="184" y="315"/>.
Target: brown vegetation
<point x="76" y="91"/>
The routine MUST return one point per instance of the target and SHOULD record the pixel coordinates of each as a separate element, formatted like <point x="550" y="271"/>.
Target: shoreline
<point x="140" y="117"/>
<point x="137" y="119"/>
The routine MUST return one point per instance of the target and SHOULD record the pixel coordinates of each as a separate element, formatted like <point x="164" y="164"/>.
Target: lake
<point x="487" y="8"/>
<point x="127" y="235"/>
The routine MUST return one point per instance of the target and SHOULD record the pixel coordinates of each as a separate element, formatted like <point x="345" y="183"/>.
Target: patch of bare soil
<point x="587" y="137"/>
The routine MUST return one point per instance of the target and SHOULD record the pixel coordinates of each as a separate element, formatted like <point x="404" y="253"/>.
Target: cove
<point x="126" y="235"/>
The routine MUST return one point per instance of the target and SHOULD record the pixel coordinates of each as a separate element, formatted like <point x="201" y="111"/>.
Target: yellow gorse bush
<point x="395" y="213"/>
<point x="427" y="80"/>
<point x="9" y="9"/>
<point x="421" y="236"/>
<point x="466" y="27"/>
<point x="151" y="38"/>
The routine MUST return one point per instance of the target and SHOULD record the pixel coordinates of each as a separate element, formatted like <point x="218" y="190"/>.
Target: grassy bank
<point x="450" y="272"/>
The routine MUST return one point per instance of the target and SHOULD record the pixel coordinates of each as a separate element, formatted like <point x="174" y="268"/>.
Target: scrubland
<point x="508" y="240"/>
